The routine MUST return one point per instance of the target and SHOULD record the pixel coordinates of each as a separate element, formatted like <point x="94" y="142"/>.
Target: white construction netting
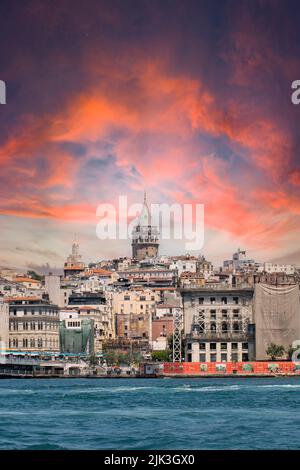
<point x="277" y="316"/>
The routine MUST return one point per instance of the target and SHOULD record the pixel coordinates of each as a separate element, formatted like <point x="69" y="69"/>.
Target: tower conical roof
<point x="145" y="215"/>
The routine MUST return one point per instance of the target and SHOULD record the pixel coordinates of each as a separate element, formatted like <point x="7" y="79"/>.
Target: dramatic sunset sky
<point x="190" y="100"/>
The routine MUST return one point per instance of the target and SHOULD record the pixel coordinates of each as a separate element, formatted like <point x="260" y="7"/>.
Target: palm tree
<point x="275" y="351"/>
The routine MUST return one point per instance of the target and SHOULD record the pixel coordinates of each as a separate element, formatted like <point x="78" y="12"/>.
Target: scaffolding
<point x="177" y="327"/>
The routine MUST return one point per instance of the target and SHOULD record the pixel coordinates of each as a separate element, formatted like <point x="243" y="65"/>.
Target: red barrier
<point x="229" y="368"/>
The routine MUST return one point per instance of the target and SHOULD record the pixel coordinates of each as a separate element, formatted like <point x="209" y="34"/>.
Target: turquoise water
<point x="150" y="414"/>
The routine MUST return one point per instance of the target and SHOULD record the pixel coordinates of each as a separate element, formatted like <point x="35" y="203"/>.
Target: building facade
<point x="77" y="336"/>
<point x="4" y="326"/>
<point x="33" y="325"/>
<point x="218" y="324"/>
<point x="94" y="306"/>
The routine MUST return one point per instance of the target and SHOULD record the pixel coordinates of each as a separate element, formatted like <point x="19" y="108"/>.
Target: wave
<point x="221" y="388"/>
<point x="9" y="391"/>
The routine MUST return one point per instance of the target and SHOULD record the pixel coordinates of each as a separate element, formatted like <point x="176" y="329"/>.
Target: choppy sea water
<point x="150" y="413"/>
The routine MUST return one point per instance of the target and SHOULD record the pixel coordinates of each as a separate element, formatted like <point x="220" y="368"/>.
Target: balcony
<point x="237" y="336"/>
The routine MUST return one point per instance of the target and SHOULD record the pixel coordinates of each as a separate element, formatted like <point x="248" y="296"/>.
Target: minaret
<point x="145" y="237"/>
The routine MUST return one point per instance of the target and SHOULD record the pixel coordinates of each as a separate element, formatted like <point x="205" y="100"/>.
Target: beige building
<point x="134" y="301"/>
<point x="96" y="307"/>
<point x="33" y="325"/>
<point x="4" y="326"/>
<point x="133" y="311"/>
<point x="28" y="282"/>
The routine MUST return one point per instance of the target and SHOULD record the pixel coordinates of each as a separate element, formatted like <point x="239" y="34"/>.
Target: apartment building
<point x="33" y="325"/>
<point x="218" y="324"/>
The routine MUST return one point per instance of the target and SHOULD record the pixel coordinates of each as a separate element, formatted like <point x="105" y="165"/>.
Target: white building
<point x="279" y="268"/>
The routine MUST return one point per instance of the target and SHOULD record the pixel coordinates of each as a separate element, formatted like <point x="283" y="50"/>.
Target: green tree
<point x="35" y="275"/>
<point x="161" y="356"/>
<point x="111" y="358"/>
<point x="275" y="351"/>
<point x="93" y="359"/>
<point x="290" y="351"/>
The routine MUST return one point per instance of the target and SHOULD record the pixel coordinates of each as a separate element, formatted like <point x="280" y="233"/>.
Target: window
<point x="234" y="346"/>
<point x="224" y="327"/>
<point x="213" y="346"/>
<point x="224" y="346"/>
<point x="212" y="300"/>
<point x="223" y="357"/>
<point x="244" y="345"/>
<point x="126" y="297"/>
<point x="202" y="346"/>
<point x="213" y="358"/>
<point x="235" y="300"/>
<point x="25" y="342"/>
<point x="234" y="357"/>
<point x="236" y="327"/>
<point x="201" y="300"/>
<point x="202" y="357"/>
<point x="213" y="314"/>
<point x="213" y="327"/>
<point x="224" y="300"/>
<point x="142" y="298"/>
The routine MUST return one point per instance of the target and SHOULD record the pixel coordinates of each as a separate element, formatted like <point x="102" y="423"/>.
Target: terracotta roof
<point x="12" y="299"/>
<point x="25" y="279"/>
<point x="102" y="272"/>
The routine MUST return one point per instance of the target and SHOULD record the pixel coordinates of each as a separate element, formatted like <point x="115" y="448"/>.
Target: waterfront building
<point x="145" y="237"/>
<point x="277" y="316"/>
<point x="33" y="325"/>
<point x="4" y="326"/>
<point x="76" y="335"/>
<point x="218" y="324"/>
<point x="96" y="307"/>
<point x="161" y="329"/>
